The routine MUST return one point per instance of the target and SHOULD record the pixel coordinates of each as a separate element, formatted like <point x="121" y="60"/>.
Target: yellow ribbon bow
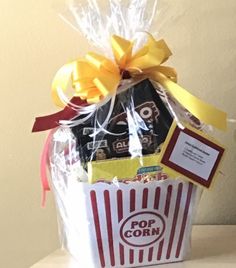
<point x="97" y="77"/>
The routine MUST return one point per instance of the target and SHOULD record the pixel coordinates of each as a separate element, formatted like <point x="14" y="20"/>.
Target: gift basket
<point x="130" y="151"/>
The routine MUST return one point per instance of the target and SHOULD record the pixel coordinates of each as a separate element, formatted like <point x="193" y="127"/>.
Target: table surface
<point x="212" y="246"/>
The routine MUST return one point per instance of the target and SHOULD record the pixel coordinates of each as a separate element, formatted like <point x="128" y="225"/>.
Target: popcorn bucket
<point x="126" y="225"/>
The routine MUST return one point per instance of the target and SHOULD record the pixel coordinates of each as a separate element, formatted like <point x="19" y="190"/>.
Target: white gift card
<point x="191" y="153"/>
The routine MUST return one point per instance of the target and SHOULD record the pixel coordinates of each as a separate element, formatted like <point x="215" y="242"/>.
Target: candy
<point x="138" y="125"/>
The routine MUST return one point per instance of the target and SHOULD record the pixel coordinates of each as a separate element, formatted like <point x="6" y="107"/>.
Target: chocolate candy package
<point x="138" y="126"/>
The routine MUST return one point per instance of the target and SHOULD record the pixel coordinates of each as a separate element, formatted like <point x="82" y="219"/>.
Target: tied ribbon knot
<point x="96" y="78"/>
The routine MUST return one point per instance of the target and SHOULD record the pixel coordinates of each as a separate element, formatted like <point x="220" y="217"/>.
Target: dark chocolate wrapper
<point x="138" y="125"/>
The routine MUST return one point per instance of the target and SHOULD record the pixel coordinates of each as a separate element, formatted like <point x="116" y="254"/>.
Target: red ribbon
<point x="43" y="167"/>
<point x="51" y="121"/>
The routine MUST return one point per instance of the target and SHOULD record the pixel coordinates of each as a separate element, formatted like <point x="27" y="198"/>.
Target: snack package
<point x="150" y="116"/>
<point x="130" y="152"/>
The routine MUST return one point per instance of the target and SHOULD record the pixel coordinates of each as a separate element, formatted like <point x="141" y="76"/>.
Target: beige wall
<point x="34" y="42"/>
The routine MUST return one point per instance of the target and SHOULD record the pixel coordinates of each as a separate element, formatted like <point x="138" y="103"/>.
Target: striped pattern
<point x="172" y="200"/>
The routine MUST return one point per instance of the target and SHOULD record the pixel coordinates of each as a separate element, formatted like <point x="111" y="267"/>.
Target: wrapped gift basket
<point x="129" y="152"/>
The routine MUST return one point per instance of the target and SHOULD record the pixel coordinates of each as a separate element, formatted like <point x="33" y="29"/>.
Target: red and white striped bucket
<point x="126" y="225"/>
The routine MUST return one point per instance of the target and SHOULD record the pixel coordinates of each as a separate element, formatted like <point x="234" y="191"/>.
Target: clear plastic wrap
<point x="115" y="223"/>
<point x="97" y="20"/>
<point x="116" y="205"/>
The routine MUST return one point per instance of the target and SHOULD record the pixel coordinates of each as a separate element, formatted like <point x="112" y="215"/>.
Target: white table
<point x="212" y="246"/>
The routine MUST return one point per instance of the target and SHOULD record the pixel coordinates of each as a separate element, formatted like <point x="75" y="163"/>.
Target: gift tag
<point x="192" y="154"/>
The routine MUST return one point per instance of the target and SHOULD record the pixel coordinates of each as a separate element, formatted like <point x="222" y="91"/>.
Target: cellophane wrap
<point x="107" y="220"/>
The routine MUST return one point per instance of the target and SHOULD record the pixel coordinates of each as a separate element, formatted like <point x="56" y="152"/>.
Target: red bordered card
<point x="192" y="154"/>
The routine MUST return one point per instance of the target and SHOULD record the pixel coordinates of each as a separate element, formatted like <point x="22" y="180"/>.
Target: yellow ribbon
<point x="97" y="77"/>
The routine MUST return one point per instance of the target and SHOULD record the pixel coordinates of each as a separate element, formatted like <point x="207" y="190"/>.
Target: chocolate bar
<point x="138" y="125"/>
